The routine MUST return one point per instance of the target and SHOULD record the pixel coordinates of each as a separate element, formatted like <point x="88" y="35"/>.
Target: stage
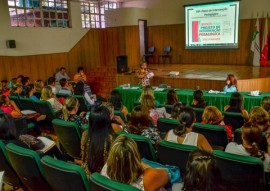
<point x="207" y="77"/>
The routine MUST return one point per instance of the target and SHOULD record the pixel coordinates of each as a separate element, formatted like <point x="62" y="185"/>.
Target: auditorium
<point x="134" y="95"/>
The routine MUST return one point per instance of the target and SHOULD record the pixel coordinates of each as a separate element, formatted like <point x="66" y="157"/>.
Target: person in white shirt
<point x="61" y="74"/>
<point x="51" y="83"/>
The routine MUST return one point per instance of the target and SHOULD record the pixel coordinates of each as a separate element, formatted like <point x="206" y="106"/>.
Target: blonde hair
<point x="148" y="102"/>
<point x="266" y="104"/>
<point x="38" y="85"/>
<point x="124" y="160"/>
<point x="147" y="90"/>
<point x="15" y="88"/>
<point x="46" y="93"/>
<point x="212" y="115"/>
<point x="260" y="118"/>
<point x="70" y="104"/>
<point x="110" y="107"/>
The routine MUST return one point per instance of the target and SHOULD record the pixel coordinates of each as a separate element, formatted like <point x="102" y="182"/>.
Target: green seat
<point x="120" y="114"/>
<point x="27" y="165"/>
<point x="145" y="146"/>
<point x="45" y="108"/>
<point x="164" y="125"/>
<point x="241" y="172"/>
<point x="174" y="154"/>
<point x="16" y="100"/>
<point x="167" y="107"/>
<point x="236" y="120"/>
<point x="22" y="126"/>
<point x="84" y="105"/>
<point x="10" y="176"/>
<point x="101" y="183"/>
<point x="199" y="113"/>
<point x="69" y="136"/>
<point x="237" y="136"/>
<point x="27" y="104"/>
<point x="58" y="95"/>
<point x="216" y="135"/>
<point x="136" y="103"/>
<point x="63" y="176"/>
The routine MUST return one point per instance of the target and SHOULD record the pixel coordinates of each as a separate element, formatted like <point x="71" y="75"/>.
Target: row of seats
<point x="24" y="168"/>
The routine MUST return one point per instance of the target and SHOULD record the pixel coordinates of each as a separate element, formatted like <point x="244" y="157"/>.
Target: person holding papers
<point x="144" y="74"/>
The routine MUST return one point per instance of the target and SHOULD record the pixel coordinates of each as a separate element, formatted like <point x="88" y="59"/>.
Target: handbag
<point x="173" y="171"/>
<point x="32" y="142"/>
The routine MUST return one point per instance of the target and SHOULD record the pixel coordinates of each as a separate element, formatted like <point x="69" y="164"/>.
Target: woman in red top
<point x="213" y="116"/>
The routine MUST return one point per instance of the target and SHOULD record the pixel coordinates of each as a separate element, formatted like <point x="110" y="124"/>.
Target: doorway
<point x="143" y="38"/>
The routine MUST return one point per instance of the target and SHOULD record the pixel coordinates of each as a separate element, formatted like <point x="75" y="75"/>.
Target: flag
<point x="264" y="53"/>
<point x="255" y="45"/>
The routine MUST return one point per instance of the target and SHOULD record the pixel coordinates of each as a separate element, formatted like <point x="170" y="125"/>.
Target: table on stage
<point x="132" y="94"/>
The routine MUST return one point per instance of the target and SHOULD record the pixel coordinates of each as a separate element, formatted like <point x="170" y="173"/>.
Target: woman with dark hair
<point x="202" y="173"/>
<point x="30" y="92"/>
<point x="198" y="100"/>
<point x="8" y="135"/>
<point x="139" y="124"/>
<point x="183" y="133"/>
<point x="176" y="108"/>
<point x="124" y="165"/>
<point x="17" y="90"/>
<point x="116" y="100"/>
<point x="97" y="140"/>
<point x="236" y="105"/>
<point x="171" y="97"/>
<point x="252" y="137"/>
<point x="231" y="84"/>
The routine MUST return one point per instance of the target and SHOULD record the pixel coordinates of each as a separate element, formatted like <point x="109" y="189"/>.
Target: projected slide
<point x="212" y="25"/>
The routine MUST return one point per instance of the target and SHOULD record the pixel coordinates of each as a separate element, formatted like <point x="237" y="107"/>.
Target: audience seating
<point x="167" y="107"/>
<point x="102" y="183"/>
<point x="145" y="146"/>
<point x="199" y="113"/>
<point x="27" y="104"/>
<point x="236" y="120"/>
<point x="16" y="100"/>
<point x="241" y="172"/>
<point x="63" y="176"/>
<point x="45" y="108"/>
<point x="136" y="103"/>
<point x="166" y="54"/>
<point x="237" y="136"/>
<point x="27" y="165"/>
<point x="164" y="125"/>
<point x="120" y="114"/>
<point x="22" y="127"/>
<point x="84" y="105"/>
<point x="149" y="54"/>
<point x="59" y="95"/>
<point x="69" y="136"/>
<point x="216" y="135"/>
<point x="174" y="154"/>
<point x="10" y="176"/>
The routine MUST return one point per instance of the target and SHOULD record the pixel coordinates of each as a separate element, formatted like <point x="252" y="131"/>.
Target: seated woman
<point x="70" y="110"/>
<point x="39" y="84"/>
<point x="265" y="103"/>
<point x="47" y="95"/>
<point x="211" y="115"/>
<point x="116" y="100"/>
<point x="124" y="165"/>
<point x="149" y="103"/>
<point x="171" y="97"/>
<point x="236" y="105"/>
<point x="8" y="135"/>
<point x="184" y="135"/>
<point x="117" y="123"/>
<point x="97" y="140"/>
<point x="260" y="118"/>
<point x="231" y="84"/>
<point x="79" y="90"/>
<point x="139" y="124"/>
<point x="16" y="90"/>
<point x="202" y="173"/>
<point x="30" y="92"/>
<point x="252" y="138"/>
<point x="198" y="100"/>
<point x="147" y="90"/>
<point x="4" y="89"/>
<point x="176" y="108"/>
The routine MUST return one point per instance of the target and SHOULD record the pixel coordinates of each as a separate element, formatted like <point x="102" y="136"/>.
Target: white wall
<point x="33" y="41"/>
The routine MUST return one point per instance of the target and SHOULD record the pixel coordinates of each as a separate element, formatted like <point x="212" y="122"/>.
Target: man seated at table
<point x="61" y="74"/>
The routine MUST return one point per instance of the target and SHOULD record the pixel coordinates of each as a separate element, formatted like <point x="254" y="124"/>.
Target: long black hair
<point x="100" y="137"/>
<point x="115" y="99"/>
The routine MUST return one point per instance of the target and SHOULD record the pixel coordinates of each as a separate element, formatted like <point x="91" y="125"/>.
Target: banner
<point x="255" y="45"/>
<point x="264" y="53"/>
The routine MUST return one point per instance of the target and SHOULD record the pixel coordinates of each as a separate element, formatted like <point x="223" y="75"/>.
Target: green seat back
<point x="16" y="100"/>
<point x="120" y="114"/>
<point x="236" y="120"/>
<point x="174" y="154"/>
<point x="145" y="146"/>
<point x="45" y="108"/>
<point x="69" y="136"/>
<point x="27" y="104"/>
<point x="27" y="165"/>
<point x="101" y="183"/>
<point x="199" y="113"/>
<point x="84" y="105"/>
<point x="216" y="135"/>
<point x="63" y="176"/>
<point x="136" y="103"/>
<point x="164" y="125"/>
<point x="58" y="95"/>
<point x="10" y="176"/>
<point x="237" y="136"/>
<point x="240" y="172"/>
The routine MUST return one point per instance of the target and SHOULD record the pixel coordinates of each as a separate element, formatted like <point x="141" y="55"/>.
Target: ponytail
<point x="186" y="119"/>
<point x="70" y="104"/>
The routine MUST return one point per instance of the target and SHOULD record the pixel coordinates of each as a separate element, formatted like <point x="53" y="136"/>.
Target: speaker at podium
<point x="122" y="64"/>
